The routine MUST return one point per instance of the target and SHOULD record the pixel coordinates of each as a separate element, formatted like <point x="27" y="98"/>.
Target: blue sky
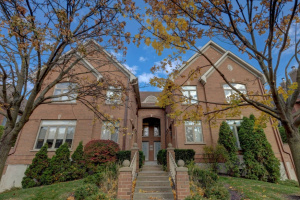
<point x="140" y="59"/>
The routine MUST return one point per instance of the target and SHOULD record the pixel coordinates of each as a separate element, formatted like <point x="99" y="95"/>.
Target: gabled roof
<point x="225" y="54"/>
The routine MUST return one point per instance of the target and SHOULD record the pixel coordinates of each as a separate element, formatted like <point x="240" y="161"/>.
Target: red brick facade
<point x="137" y="107"/>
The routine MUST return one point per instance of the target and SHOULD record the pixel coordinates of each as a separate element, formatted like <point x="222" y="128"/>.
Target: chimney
<point x="283" y="83"/>
<point x="293" y="73"/>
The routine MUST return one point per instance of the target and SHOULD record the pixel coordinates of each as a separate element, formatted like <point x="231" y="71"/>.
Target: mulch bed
<point x="293" y="197"/>
<point x="234" y="194"/>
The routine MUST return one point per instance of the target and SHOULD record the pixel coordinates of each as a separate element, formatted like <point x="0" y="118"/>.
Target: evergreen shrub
<point x="78" y="168"/>
<point x="1" y="131"/>
<point x="187" y="155"/>
<point x="123" y="155"/>
<point x="59" y="169"/>
<point x="99" y="196"/>
<point x="215" y="155"/>
<point x="33" y="174"/>
<point x="85" y="191"/>
<point x="217" y="191"/>
<point x="162" y="157"/>
<point x="227" y="139"/>
<point x="282" y="134"/>
<point x="96" y="179"/>
<point x="203" y="178"/>
<point x="98" y="152"/>
<point x="259" y="159"/>
<point x="142" y="158"/>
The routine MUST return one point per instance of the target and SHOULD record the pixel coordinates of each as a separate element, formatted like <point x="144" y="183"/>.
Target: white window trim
<point x="59" y="99"/>
<point x="229" y="98"/>
<point x="188" y="100"/>
<point x="47" y="133"/>
<point x="117" y="128"/>
<point x="115" y="100"/>
<point x="201" y="142"/>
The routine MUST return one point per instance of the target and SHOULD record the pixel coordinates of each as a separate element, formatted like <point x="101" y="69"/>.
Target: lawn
<point x="252" y="189"/>
<point x="55" y="191"/>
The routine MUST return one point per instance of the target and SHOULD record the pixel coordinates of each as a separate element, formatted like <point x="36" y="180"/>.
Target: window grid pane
<point x="55" y="136"/>
<point x="190" y="92"/>
<point x="193" y="132"/>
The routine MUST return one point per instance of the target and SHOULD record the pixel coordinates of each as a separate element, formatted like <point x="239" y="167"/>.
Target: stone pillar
<point x="170" y="149"/>
<point x="135" y="149"/>
<point x="125" y="181"/>
<point x="182" y="181"/>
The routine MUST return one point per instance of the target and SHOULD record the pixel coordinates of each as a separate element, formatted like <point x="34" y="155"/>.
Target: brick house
<point x="146" y="124"/>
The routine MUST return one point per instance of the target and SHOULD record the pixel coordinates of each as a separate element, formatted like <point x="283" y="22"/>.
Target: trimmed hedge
<point x="187" y="155"/>
<point x="125" y="155"/>
<point x="162" y="157"/>
<point x="1" y="130"/>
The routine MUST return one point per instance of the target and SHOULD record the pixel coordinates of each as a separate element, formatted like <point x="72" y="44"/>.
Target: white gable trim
<point x="131" y="76"/>
<point x="90" y="67"/>
<point x="236" y="59"/>
<point x="148" y="98"/>
<point x="212" y="44"/>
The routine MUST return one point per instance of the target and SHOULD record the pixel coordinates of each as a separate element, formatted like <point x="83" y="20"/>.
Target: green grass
<point x="252" y="189"/>
<point x="55" y="191"/>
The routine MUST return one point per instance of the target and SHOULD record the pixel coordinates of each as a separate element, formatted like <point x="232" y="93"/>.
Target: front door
<point x="151" y="138"/>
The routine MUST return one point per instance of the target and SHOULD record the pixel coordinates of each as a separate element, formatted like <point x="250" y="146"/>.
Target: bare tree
<point x="47" y="38"/>
<point x="265" y="30"/>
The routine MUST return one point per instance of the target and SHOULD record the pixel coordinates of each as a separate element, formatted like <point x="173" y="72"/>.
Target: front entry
<point x="151" y="135"/>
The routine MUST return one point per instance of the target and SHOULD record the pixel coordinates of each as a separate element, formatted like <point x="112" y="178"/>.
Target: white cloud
<point x="175" y="64"/>
<point x="133" y="69"/>
<point x="117" y="55"/>
<point x="142" y="59"/>
<point x="145" y="77"/>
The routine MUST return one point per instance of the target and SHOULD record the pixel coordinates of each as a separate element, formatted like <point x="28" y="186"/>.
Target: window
<point x="190" y="94"/>
<point x="55" y="133"/>
<point x="110" y="131"/>
<point x="62" y="88"/>
<point x="5" y="120"/>
<point x="113" y="95"/>
<point x="145" y="131"/>
<point x="193" y="132"/>
<point x="156" y="131"/>
<point x="235" y="127"/>
<point x="229" y="91"/>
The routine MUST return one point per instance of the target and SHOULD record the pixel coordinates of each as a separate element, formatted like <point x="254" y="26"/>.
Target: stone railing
<point x="133" y="166"/>
<point x="127" y="174"/>
<point x="173" y="167"/>
<point x="179" y="174"/>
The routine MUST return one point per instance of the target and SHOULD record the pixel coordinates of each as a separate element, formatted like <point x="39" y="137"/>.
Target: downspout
<point x="206" y="104"/>
<point x="278" y="139"/>
<point x="125" y="116"/>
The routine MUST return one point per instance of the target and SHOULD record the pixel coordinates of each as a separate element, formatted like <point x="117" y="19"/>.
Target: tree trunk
<point x="294" y="143"/>
<point x="5" y="146"/>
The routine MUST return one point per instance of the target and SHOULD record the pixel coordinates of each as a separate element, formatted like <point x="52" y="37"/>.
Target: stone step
<point x="152" y="178"/>
<point x="152" y="189"/>
<point x="151" y="169"/>
<point x="156" y="196"/>
<point x="153" y="173"/>
<point x="153" y="183"/>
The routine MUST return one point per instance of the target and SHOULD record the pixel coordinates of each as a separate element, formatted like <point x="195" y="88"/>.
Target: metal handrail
<point x="173" y="166"/>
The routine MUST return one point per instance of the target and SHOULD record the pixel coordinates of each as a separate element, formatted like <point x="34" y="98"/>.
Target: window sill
<point x="195" y="143"/>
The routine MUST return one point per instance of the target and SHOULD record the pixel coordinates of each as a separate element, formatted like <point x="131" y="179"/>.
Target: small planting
<point x="187" y="155"/>
<point x="85" y="191"/>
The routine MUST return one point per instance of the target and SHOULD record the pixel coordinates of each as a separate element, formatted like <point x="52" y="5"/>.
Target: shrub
<point x="142" y="158"/>
<point x="217" y="191"/>
<point x="78" y="168"/>
<point x="85" y="191"/>
<point x="227" y="139"/>
<point x="187" y="155"/>
<point x="203" y="178"/>
<point x="214" y="155"/>
<point x="96" y="179"/>
<point x="33" y="173"/>
<point x="99" y="196"/>
<point x="282" y="134"/>
<point x="1" y="131"/>
<point x="98" y="152"/>
<point x="195" y="197"/>
<point x="259" y="159"/>
<point x="59" y="169"/>
<point x="123" y="155"/>
<point x="162" y="157"/>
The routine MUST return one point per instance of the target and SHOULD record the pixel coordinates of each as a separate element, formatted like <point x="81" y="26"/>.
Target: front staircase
<point x="153" y="183"/>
